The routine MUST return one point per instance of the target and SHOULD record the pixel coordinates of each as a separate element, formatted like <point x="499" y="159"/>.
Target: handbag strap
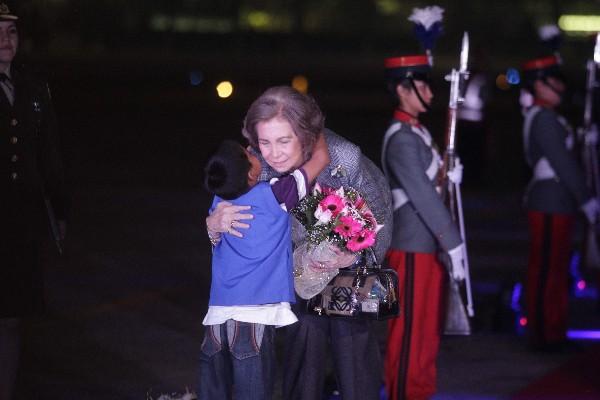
<point x="370" y="259"/>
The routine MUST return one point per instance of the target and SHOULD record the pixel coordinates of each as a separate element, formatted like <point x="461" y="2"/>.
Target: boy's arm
<point x="318" y="161"/>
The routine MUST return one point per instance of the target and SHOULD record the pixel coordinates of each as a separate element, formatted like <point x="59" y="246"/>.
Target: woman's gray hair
<point x="285" y="102"/>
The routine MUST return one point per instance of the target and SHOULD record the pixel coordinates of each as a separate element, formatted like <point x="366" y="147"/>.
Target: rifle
<point x="591" y="252"/>
<point x="451" y="191"/>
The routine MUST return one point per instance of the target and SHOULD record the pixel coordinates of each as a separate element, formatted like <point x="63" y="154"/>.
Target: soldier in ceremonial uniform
<point x="423" y="228"/>
<point x="31" y="175"/>
<point x="556" y="192"/>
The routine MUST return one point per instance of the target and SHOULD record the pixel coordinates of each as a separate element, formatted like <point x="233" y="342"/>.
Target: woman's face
<point x="279" y="145"/>
<point x="410" y="101"/>
<point x="550" y="91"/>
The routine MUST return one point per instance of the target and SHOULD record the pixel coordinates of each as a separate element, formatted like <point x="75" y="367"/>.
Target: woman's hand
<point x="227" y="218"/>
<point x="343" y="258"/>
<point x="331" y="257"/>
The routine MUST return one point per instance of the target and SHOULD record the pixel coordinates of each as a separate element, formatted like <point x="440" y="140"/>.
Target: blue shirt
<point x="255" y="269"/>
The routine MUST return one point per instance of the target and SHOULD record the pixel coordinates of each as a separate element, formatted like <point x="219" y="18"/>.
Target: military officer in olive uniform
<point x="31" y="175"/>
<point x="556" y="193"/>
<point x="423" y="227"/>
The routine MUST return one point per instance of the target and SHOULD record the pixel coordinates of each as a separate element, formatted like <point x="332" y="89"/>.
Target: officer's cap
<point x="542" y="67"/>
<point x="408" y="67"/>
<point x="5" y="14"/>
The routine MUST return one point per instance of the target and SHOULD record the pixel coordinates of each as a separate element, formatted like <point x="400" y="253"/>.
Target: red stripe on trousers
<point x="547" y="285"/>
<point x="422" y="313"/>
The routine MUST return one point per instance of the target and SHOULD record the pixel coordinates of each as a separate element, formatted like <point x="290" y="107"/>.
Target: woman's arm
<point x="226" y="218"/>
<point x="318" y="161"/>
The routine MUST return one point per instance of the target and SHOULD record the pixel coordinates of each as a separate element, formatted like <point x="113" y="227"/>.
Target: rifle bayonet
<point x="464" y="53"/>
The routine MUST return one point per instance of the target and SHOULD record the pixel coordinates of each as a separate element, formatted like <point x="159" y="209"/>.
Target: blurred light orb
<point x="224" y="89"/>
<point x="300" y="83"/>
<point x="259" y="19"/>
<point x="581" y="284"/>
<point x="512" y="76"/>
<point x="523" y="321"/>
<point x="388" y="7"/>
<point x="502" y="82"/>
<point x="196" y="78"/>
<point x="579" y="23"/>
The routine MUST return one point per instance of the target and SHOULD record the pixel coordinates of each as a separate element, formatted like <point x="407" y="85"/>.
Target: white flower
<point x="317" y="189"/>
<point x="323" y="216"/>
<point x="174" y="396"/>
<point x="427" y="16"/>
<point x="339" y="171"/>
<point x="547" y="32"/>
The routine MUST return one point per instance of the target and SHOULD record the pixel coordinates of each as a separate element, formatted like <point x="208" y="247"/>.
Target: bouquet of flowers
<point x="338" y="224"/>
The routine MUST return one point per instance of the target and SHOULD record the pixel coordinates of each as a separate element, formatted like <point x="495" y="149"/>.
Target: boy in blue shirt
<point x="252" y="284"/>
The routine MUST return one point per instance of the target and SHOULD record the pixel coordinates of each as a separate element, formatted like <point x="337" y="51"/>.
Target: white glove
<point x="591" y="136"/>
<point x="457" y="259"/>
<point x="456" y="173"/>
<point x="591" y="208"/>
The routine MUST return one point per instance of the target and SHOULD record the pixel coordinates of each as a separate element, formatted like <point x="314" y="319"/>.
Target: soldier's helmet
<point x="541" y="68"/>
<point x="6" y="14"/>
<point x="407" y="67"/>
<point x="415" y="67"/>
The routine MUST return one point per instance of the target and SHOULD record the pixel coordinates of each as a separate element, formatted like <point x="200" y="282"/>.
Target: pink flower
<point x="369" y="219"/>
<point x="362" y="240"/>
<point x="327" y="190"/>
<point x="359" y="203"/>
<point x="348" y="227"/>
<point x="333" y="203"/>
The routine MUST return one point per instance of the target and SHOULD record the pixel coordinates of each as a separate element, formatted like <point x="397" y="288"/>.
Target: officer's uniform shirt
<point x="411" y="163"/>
<point x="558" y="183"/>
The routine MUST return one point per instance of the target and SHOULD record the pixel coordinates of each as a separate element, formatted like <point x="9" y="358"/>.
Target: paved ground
<point x="126" y="303"/>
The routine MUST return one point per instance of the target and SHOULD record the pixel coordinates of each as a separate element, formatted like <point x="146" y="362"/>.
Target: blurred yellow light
<point x="184" y="24"/>
<point x="502" y="82"/>
<point x="388" y="7"/>
<point x="259" y="19"/>
<point x="161" y="23"/>
<point x="579" y="23"/>
<point x="300" y="83"/>
<point x="224" y="89"/>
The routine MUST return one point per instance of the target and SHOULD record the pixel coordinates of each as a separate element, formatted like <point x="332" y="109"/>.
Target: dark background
<point x="126" y="301"/>
<point x="121" y="80"/>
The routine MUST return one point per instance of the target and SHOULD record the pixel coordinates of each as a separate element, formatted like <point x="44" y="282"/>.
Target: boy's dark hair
<point x="226" y="172"/>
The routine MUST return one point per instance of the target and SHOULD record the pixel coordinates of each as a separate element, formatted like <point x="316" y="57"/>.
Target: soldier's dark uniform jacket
<point x="31" y="171"/>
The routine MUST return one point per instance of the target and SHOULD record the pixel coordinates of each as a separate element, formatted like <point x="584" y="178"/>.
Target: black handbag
<point x="364" y="290"/>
